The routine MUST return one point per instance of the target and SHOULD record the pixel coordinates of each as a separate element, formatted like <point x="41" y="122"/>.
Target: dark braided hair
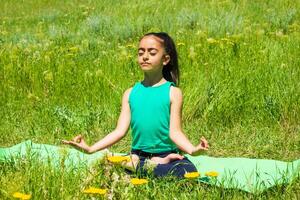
<point x="171" y="70"/>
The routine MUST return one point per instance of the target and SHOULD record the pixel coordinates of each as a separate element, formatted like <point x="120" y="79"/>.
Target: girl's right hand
<point x="202" y="146"/>
<point x="78" y="142"/>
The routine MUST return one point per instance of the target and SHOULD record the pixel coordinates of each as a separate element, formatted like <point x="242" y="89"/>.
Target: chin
<point x="146" y="68"/>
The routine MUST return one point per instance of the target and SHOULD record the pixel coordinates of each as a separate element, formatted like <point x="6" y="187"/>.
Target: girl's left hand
<point x="78" y="142"/>
<point x="202" y="146"/>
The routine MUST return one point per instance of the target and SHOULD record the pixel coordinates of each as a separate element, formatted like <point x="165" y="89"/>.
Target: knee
<point x="183" y="168"/>
<point x="178" y="169"/>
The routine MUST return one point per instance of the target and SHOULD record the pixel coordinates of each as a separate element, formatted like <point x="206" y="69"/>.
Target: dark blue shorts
<point x="175" y="168"/>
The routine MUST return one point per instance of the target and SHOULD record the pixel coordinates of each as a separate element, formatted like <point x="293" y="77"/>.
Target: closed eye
<point x="140" y="53"/>
<point x="152" y="52"/>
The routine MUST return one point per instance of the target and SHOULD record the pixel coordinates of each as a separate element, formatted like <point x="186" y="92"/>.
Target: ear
<point x="166" y="59"/>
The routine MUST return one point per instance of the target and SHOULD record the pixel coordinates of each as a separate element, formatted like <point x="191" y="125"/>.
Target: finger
<point x="77" y="138"/>
<point x="180" y="157"/>
<point x="71" y="143"/>
<point x="204" y="148"/>
<point x="203" y="140"/>
<point x="177" y="157"/>
<point x="205" y="145"/>
<point x="65" y="142"/>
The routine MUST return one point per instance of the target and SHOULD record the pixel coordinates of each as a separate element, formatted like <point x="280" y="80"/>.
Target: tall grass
<point x="65" y="64"/>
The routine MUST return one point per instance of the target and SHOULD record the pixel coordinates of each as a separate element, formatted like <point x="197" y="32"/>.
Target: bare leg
<point x="167" y="159"/>
<point x="132" y="164"/>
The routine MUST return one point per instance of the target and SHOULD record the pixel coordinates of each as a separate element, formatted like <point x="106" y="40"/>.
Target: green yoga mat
<point x="251" y="175"/>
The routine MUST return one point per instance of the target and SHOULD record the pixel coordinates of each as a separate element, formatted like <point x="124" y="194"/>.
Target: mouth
<point x="145" y="64"/>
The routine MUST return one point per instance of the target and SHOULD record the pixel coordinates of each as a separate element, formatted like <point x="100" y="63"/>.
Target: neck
<point x="153" y="79"/>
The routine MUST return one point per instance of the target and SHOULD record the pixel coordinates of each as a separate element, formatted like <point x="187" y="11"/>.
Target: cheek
<point x="157" y="59"/>
<point x="139" y="59"/>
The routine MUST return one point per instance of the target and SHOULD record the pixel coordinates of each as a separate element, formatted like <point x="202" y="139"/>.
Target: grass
<point x="64" y="67"/>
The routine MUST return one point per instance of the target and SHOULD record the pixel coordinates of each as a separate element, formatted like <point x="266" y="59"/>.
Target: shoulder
<point x="127" y="93"/>
<point x="175" y="94"/>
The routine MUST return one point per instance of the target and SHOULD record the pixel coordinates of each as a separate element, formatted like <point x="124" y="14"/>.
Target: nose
<point x="145" y="56"/>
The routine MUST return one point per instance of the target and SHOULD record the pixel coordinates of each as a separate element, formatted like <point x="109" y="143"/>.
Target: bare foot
<point x="167" y="159"/>
<point x="132" y="164"/>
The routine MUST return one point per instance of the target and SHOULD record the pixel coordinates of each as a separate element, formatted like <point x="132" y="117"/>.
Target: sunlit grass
<point x="65" y="64"/>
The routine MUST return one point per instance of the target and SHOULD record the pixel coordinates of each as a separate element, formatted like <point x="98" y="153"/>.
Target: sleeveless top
<point x="150" y="118"/>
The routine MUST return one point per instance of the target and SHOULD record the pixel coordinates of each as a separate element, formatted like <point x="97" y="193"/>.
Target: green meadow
<point x="64" y="66"/>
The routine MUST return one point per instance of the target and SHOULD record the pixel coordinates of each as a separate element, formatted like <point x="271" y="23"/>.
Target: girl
<point x="152" y="108"/>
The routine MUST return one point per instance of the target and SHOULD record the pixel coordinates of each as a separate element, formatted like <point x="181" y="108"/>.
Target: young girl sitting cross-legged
<point x="152" y="109"/>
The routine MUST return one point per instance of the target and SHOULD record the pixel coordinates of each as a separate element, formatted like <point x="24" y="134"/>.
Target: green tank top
<point x="150" y="118"/>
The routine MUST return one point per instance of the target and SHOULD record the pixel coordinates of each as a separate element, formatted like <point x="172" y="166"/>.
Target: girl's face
<point x="151" y="54"/>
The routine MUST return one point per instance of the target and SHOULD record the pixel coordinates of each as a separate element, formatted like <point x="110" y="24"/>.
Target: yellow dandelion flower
<point x="48" y="75"/>
<point x="191" y="175"/>
<point x="130" y="45"/>
<point x="118" y="159"/>
<point x="137" y="181"/>
<point x="212" y="40"/>
<point x="22" y="196"/>
<point x="225" y="40"/>
<point x="201" y="33"/>
<point x="93" y="190"/>
<point x="212" y="174"/>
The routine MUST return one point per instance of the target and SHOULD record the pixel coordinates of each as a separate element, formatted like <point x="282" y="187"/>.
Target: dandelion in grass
<point x="191" y="175"/>
<point x="212" y="174"/>
<point x="48" y="75"/>
<point x="93" y="190"/>
<point x="180" y="44"/>
<point x="130" y="45"/>
<point x="137" y="181"/>
<point x="201" y="33"/>
<point x="212" y="41"/>
<point x="118" y="159"/>
<point x="22" y="196"/>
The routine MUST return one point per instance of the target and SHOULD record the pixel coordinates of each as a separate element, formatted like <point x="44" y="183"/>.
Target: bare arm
<point x="111" y="138"/>
<point x="176" y="133"/>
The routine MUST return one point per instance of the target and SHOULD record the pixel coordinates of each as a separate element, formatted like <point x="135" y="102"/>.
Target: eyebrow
<point x="150" y="49"/>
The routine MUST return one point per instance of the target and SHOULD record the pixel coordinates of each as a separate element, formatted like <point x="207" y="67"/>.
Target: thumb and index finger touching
<point x="77" y="139"/>
<point x="204" y="143"/>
